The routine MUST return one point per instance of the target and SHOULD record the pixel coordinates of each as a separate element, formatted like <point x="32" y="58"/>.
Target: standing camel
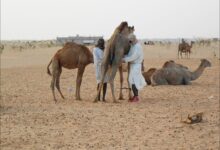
<point x="71" y="56"/>
<point x="116" y="48"/>
<point x="185" y="48"/>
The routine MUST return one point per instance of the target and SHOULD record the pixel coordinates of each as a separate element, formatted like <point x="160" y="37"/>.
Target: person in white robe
<point x="98" y="52"/>
<point x="135" y="57"/>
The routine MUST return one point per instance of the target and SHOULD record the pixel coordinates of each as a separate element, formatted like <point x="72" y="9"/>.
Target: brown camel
<point x="185" y="48"/>
<point x="168" y="64"/>
<point x="178" y="75"/>
<point x="71" y="56"/>
<point x="116" y="48"/>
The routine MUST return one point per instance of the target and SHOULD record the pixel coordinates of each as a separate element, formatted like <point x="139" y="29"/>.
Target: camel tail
<point x="48" y="68"/>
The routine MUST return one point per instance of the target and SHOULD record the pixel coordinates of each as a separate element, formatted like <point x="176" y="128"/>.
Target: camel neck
<point x="197" y="73"/>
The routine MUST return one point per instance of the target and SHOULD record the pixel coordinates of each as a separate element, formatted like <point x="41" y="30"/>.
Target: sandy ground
<point x="31" y="120"/>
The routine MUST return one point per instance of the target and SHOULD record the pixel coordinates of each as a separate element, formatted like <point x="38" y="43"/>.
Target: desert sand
<point x="31" y="120"/>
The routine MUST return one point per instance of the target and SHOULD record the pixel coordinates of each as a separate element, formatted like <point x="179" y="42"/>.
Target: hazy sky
<point x="47" y="19"/>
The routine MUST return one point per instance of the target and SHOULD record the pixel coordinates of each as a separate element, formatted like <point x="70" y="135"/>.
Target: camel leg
<point x="113" y="91"/>
<point x="52" y="88"/>
<point x="79" y="81"/>
<point x="121" y="83"/>
<point x="115" y="66"/>
<point x="186" y="81"/>
<point x="55" y="71"/>
<point x="58" y="82"/>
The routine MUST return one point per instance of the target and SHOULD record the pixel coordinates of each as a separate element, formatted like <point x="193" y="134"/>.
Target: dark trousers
<point x="103" y="91"/>
<point x="135" y="90"/>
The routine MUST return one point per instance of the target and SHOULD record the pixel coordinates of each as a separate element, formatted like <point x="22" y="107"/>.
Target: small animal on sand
<point x="196" y="118"/>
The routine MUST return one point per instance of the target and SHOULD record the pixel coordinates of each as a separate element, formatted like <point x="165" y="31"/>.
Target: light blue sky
<point x="47" y="19"/>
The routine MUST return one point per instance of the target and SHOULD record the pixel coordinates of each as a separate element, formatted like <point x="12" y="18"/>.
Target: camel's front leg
<point x="79" y="81"/>
<point x="121" y="82"/>
<point x="113" y="91"/>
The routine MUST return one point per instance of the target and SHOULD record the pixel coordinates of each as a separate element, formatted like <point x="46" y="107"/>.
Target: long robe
<point x="98" y="56"/>
<point x="135" y="57"/>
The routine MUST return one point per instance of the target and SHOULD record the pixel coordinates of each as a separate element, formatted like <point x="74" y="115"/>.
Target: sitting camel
<point x="174" y="74"/>
<point x="185" y="48"/>
<point x="168" y="64"/>
<point x="117" y="46"/>
<point x="71" y="56"/>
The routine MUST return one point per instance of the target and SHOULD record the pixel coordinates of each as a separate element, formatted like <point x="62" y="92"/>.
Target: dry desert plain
<point x="31" y="120"/>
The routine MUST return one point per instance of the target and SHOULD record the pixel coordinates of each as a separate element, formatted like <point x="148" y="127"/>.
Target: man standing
<point x="135" y="57"/>
<point x="98" y="56"/>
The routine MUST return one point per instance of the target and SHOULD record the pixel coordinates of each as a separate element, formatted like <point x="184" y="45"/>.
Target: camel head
<point x="205" y="63"/>
<point x="131" y="29"/>
<point x="124" y="29"/>
<point x="147" y="75"/>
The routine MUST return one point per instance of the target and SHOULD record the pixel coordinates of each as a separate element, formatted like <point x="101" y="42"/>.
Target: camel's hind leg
<point x="55" y="70"/>
<point x="52" y="88"/>
<point x="58" y="81"/>
<point x="114" y="69"/>
<point x="79" y="81"/>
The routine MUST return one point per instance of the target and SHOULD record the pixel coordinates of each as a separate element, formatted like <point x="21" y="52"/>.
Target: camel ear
<point x="132" y="27"/>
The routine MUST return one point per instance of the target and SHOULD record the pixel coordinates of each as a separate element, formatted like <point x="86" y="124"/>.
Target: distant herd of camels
<point x="73" y="56"/>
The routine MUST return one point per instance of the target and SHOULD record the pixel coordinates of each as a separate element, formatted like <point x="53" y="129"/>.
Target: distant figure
<point x="185" y="48"/>
<point x="98" y="52"/>
<point x="135" y="58"/>
<point x="183" y="41"/>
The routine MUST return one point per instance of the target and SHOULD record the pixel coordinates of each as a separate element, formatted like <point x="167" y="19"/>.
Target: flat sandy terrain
<point x="31" y="120"/>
